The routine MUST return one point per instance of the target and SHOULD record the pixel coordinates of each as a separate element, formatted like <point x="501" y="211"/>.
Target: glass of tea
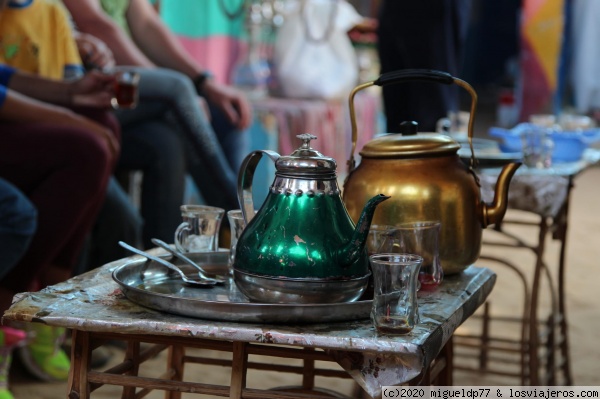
<point x="395" y="276"/>
<point x="126" y="88"/>
<point x="199" y="231"/>
<point x="421" y="238"/>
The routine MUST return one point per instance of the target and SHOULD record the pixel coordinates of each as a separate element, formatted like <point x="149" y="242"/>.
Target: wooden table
<point x="94" y="307"/>
<point x="544" y="194"/>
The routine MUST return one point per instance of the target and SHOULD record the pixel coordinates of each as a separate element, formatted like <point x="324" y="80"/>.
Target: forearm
<point x="20" y="108"/>
<point x="90" y="18"/>
<point x="52" y="91"/>
<point x="165" y="50"/>
<point x="157" y="41"/>
<point x="123" y="49"/>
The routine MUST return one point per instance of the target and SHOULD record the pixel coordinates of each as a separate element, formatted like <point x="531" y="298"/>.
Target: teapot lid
<point x="306" y="160"/>
<point x="410" y="144"/>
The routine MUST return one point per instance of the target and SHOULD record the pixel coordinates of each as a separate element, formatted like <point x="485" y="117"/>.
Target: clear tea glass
<point x="237" y="225"/>
<point x="395" y="277"/>
<point x="199" y="231"/>
<point x="421" y="238"/>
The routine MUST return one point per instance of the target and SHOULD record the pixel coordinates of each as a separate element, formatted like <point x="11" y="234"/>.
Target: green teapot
<point x="301" y="246"/>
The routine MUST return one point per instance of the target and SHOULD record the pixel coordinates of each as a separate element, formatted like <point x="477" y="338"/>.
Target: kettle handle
<point x="411" y="75"/>
<point x="245" y="177"/>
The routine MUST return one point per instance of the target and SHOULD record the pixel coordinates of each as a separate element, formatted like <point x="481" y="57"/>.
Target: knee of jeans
<point x="178" y="83"/>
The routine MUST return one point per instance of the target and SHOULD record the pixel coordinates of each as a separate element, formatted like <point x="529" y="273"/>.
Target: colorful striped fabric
<point x="212" y="37"/>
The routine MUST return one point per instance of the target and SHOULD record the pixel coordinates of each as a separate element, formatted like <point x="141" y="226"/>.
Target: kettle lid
<point x="410" y="144"/>
<point x="306" y="160"/>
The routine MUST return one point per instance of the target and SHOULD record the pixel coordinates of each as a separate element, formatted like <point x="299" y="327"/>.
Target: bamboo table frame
<point x="93" y="306"/>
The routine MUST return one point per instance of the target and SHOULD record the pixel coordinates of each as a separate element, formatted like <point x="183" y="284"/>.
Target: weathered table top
<point x="94" y="302"/>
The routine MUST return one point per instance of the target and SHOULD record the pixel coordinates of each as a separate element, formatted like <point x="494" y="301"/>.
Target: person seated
<point x="49" y="50"/>
<point x="136" y="36"/>
<point x="52" y="154"/>
<point x="18" y="219"/>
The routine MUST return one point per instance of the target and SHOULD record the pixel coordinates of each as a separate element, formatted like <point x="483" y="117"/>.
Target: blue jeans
<point x="18" y="220"/>
<point x="212" y="152"/>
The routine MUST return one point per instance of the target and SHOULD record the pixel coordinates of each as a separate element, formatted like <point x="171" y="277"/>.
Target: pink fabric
<point x="218" y="54"/>
<point x="328" y="120"/>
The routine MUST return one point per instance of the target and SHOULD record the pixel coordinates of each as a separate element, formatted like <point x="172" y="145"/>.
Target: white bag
<point x="313" y="55"/>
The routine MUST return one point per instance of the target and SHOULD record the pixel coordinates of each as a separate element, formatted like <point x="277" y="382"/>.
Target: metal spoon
<point x="184" y="258"/>
<point x="194" y="281"/>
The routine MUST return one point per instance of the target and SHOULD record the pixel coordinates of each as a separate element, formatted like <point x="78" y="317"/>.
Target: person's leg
<point x="158" y="152"/>
<point x="17" y="225"/>
<point x="118" y="220"/>
<point x="431" y="39"/>
<point x="235" y="143"/>
<point x="173" y="92"/>
<point x="64" y="172"/>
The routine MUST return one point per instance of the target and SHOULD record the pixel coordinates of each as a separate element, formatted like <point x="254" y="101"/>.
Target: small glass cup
<point x="395" y="308"/>
<point x="421" y="238"/>
<point x="543" y="120"/>
<point x="199" y="231"/>
<point x="378" y="234"/>
<point x="455" y="125"/>
<point x="126" y="88"/>
<point x="237" y="225"/>
<point x="537" y="147"/>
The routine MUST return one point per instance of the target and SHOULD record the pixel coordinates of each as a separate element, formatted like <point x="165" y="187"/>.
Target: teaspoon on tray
<point x="184" y="258"/>
<point x="193" y="281"/>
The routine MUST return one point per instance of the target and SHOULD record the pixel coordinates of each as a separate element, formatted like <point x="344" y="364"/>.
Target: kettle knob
<point x="409" y="128"/>
<point x="306" y="138"/>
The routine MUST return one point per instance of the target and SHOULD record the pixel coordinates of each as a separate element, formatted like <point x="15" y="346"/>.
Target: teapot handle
<point x="245" y="178"/>
<point x="411" y="75"/>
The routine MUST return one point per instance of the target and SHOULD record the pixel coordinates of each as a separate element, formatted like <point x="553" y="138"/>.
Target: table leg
<point x="175" y="363"/>
<point x="561" y="234"/>
<point x="308" y="372"/>
<point x="133" y="354"/>
<point x="79" y="388"/>
<point x="239" y="363"/>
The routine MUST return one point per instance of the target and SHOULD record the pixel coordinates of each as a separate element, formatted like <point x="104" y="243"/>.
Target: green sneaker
<point x="43" y="356"/>
<point x="5" y="358"/>
<point x="9" y="339"/>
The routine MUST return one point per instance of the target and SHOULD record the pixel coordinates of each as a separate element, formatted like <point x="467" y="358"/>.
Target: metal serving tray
<point x="152" y="285"/>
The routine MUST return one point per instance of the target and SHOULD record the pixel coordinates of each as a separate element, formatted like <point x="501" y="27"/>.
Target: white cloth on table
<point x="542" y="195"/>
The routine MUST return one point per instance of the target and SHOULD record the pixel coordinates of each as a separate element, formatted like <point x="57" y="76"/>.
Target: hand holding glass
<point x="126" y="88"/>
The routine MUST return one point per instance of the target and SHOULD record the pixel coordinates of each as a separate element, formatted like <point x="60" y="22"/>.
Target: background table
<point x="95" y="308"/>
<point x="540" y="199"/>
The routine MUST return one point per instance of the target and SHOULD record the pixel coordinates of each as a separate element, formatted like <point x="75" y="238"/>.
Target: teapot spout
<point x="353" y="249"/>
<point x="493" y="213"/>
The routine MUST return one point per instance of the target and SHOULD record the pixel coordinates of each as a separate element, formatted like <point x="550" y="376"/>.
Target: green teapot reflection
<point x="301" y="245"/>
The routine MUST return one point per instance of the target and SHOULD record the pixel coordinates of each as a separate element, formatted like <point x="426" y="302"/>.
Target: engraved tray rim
<point x="201" y="306"/>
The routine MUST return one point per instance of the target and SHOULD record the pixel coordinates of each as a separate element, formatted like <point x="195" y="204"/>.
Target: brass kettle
<point x="426" y="179"/>
<point x="301" y="245"/>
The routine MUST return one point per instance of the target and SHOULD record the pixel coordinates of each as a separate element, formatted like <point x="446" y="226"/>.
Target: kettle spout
<point x="352" y="250"/>
<point x="493" y="213"/>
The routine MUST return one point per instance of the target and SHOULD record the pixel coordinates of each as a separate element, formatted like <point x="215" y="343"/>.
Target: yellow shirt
<point x="36" y="36"/>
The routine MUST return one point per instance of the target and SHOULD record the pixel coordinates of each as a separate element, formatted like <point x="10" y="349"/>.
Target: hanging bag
<point x="313" y="55"/>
